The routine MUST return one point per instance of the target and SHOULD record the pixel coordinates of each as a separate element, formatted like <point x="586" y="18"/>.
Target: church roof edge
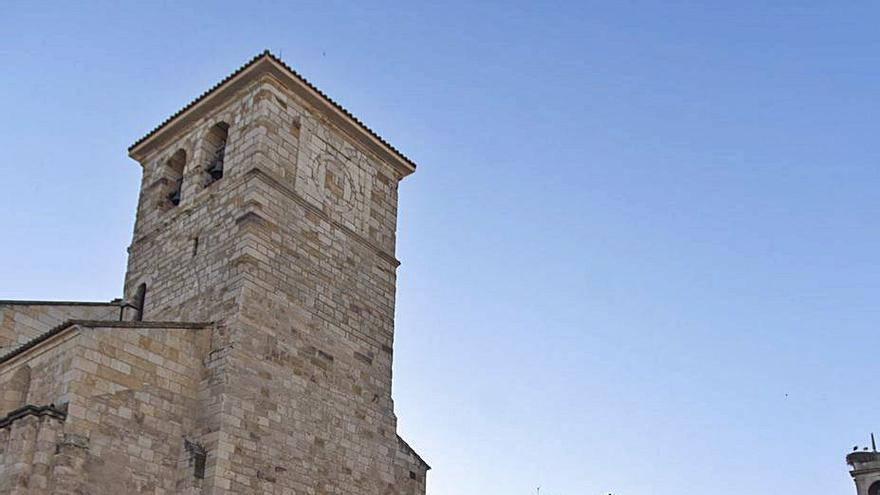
<point x="97" y="323"/>
<point x="393" y="152"/>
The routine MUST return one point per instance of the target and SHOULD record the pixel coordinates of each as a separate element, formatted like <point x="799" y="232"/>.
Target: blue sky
<point x="640" y="254"/>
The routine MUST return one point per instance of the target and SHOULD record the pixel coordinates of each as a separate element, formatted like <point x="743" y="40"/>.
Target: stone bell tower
<point x="268" y="209"/>
<point x="865" y="471"/>
<point x="251" y="351"/>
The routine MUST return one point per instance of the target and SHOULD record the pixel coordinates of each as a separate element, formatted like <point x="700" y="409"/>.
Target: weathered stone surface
<point x="865" y="471"/>
<point x="290" y="256"/>
<point x="129" y="391"/>
<point x="21" y="321"/>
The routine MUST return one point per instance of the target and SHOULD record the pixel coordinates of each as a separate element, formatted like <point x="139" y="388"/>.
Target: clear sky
<point x="640" y="254"/>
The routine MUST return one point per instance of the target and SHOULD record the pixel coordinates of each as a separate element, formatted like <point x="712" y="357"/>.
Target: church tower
<point x="865" y="471"/>
<point x="258" y="301"/>
<point x="271" y="211"/>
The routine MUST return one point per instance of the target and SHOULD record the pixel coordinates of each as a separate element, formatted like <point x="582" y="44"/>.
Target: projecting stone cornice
<point x="30" y="410"/>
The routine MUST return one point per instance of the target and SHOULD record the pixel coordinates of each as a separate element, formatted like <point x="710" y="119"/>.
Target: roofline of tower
<point x="267" y="63"/>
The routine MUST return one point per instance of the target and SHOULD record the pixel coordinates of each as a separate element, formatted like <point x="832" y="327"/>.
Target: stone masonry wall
<point x="183" y="252"/>
<point x="21" y="321"/>
<point x="315" y="333"/>
<point x="191" y="260"/>
<point x="27" y="451"/>
<point x="131" y="395"/>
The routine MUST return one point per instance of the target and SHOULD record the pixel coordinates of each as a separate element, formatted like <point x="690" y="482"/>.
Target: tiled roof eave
<point x="286" y="69"/>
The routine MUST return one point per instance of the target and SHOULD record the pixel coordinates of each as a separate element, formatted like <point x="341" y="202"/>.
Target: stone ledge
<point x="31" y="410"/>
<point x="11" y="302"/>
<point x="274" y="181"/>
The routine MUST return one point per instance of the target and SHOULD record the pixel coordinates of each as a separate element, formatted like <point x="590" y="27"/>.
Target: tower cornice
<point x="263" y="65"/>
